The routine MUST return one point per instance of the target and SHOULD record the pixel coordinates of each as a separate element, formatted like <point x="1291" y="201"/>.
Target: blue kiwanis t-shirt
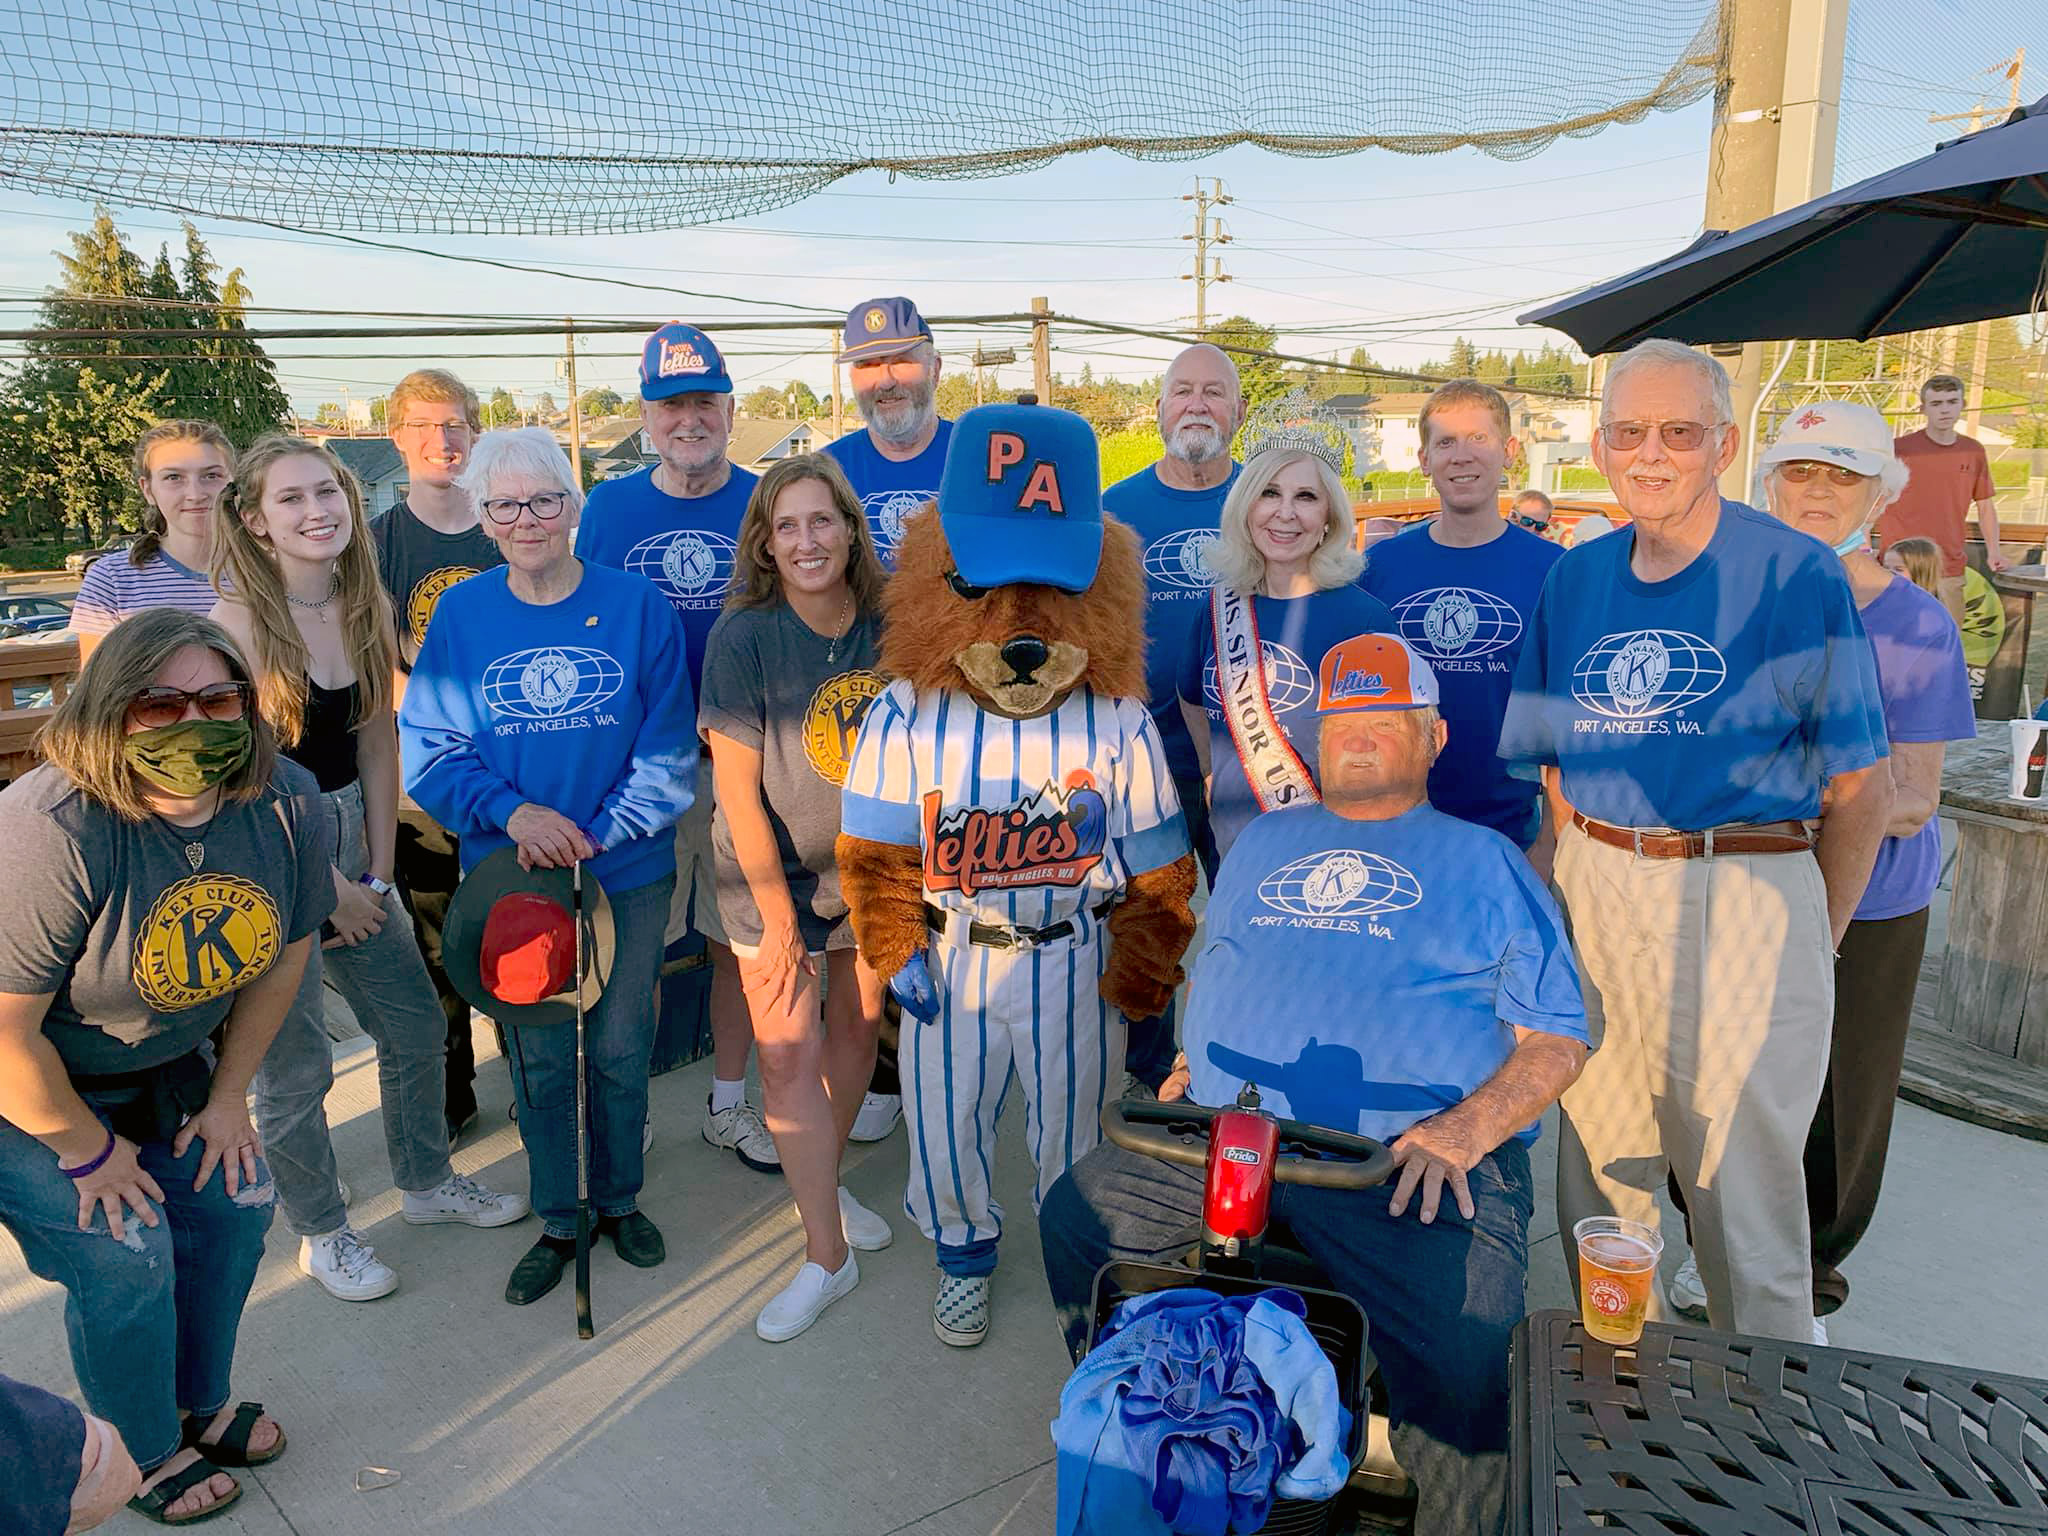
<point x="1728" y="693"/>
<point x="1294" y="632"/>
<point x="891" y="489"/>
<point x="1404" y="951"/>
<point x="685" y="545"/>
<point x="1466" y="611"/>
<point x="1175" y="527"/>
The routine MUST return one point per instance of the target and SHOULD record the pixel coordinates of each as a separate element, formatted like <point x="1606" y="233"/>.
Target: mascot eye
<point x="964" y="589"/>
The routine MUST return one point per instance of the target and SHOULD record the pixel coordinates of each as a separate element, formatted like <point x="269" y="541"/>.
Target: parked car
<point x="76" y="562"/>
<point x="32" y="615"/>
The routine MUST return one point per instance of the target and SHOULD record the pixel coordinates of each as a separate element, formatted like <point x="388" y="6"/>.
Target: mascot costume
<point x="1012" y="851"/>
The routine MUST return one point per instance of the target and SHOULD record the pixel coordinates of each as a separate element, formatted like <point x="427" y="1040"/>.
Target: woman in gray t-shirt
<point x="789" y="670"/>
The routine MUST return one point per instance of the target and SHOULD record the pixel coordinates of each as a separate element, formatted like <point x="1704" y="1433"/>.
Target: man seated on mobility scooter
<point x="1376" y="967"/>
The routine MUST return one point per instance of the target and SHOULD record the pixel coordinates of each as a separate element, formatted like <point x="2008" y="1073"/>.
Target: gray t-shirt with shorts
<point x="767" y="685"/>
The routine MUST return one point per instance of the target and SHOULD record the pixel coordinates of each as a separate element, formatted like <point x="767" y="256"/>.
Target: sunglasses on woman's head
<point x="157" y="707"/>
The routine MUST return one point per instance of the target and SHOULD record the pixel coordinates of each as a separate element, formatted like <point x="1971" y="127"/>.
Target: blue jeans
<point x="153" y="1318"/>
<point x="1441" y="1299"/>
<point x="385" y="983"/>
<point x="619" y="1042"/>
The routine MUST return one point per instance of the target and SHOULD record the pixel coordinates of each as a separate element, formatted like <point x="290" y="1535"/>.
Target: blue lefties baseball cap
<point x="881" y="328"/>
<point x="679" y="359"/>
<point x="1021" y="498"/>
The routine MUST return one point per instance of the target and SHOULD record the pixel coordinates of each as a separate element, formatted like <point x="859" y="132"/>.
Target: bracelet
<point x="83" y="1169"/>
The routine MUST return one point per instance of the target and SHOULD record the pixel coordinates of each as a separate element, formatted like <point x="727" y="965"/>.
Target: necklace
<point x="333" y="586"/>
<point x="840" y="628"/>
<point x="194" y="839"/>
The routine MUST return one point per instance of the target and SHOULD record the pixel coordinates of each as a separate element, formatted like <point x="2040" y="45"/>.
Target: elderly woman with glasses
<point x="550" y="711"/>
<point x="166" y="873"/>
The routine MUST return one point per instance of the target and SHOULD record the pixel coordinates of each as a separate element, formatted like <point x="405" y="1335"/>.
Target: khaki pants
<point x="1950" y="590"/>
<point x="1709" y="990"/>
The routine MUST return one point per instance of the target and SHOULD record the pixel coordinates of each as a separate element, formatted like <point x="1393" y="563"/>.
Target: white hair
<point x="527" y="452"/>
<point x="1236" y="562"/>
<point x="1659" y="353"/>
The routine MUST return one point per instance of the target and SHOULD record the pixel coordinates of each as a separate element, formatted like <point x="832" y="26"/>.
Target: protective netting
<point x="516" y="116"/>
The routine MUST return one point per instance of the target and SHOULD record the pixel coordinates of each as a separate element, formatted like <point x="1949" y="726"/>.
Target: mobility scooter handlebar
<point x="1178" y="1133"/>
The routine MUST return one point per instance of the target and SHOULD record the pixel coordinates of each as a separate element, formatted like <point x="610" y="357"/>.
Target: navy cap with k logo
<point x="882" y="328"/>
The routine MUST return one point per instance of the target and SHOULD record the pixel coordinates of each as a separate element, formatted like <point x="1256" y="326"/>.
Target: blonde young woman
<point x="181" y="468"/>
<point x="789" y="670"/>
<point x="308" y="609"/>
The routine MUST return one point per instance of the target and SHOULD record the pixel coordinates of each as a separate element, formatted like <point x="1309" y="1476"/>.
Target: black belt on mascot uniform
<point x="996" y="936"/>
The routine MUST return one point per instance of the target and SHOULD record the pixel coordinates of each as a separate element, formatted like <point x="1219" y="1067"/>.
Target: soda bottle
<point x="2037" y="763"/>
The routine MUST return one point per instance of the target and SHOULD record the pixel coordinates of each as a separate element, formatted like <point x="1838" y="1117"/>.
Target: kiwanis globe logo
<point x="1341" y="883"/>
<point x="887" y="511"/>
<point x="692" y="568"/>
<point x="1176" y="560"/>
<point x="550" y="681"/>
<point x="1644" y="673"/>
<point x="1289" y="682"/>
<point x="1448" y="622"/>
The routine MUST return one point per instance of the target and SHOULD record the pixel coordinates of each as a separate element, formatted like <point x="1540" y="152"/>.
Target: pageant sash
<point x="1272" y="767"/>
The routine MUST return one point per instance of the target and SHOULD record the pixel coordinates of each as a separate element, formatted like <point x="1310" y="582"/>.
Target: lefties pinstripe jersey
<point x="1021" y="822"/>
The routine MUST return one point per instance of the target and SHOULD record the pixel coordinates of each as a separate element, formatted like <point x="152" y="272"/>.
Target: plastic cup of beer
<point x="1617" y="1267"/>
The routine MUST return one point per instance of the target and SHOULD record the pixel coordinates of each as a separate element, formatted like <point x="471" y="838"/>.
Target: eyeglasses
<point x="1799" y="471"/>
<point x="547" y="506"/>
<point x="445" y="428"/>
<point x="1678" y="436"/>
<point x="154" y="708"/>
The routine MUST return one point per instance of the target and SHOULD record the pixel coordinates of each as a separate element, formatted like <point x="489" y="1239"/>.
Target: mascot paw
<point x="913" y="990"/>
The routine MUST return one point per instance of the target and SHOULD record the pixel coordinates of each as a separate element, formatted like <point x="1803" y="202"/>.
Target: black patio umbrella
<point x="1956" y="236"/>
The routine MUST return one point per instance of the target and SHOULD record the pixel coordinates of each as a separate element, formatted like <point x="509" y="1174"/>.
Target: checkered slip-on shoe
<point x="960" y="1310"/>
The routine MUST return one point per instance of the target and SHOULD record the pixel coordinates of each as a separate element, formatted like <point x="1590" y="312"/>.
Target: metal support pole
<point x="575" y="405"/>
<point x="1041" y="352"/>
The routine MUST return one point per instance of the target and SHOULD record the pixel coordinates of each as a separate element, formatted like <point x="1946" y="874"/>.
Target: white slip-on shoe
<point x="346" y="1266"/>
<point x="878" y="1115"/>
<point x="742" y="1129"/>
<point x="862" y="1227"/>
<point x="801" y="1302"/>
<point x="463" y="1199"/>
<point x="1684" y="1291"/>
<point x="960" y="1310"/>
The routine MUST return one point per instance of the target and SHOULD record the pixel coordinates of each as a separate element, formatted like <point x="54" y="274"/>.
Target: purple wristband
<point x="84" y="1169"/>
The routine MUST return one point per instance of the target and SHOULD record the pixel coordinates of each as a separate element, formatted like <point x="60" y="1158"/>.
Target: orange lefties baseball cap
<point x="1373" y="672"/>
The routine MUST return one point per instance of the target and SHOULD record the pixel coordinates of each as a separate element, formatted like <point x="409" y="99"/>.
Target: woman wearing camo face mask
<point x="165" y="880"/>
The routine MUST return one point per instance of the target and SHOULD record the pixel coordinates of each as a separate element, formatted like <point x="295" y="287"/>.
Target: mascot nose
<point x="1025" y="655"/>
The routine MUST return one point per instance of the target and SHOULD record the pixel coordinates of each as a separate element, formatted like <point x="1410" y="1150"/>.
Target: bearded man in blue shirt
<point x="1430" y="1002"/>
<point x="1703" y="705"/>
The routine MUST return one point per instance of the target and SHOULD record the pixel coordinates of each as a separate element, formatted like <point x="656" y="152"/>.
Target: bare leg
<point x="732" y="1030"/>
<point x="853" y="1020"/>
<point x="799" y="1116"/>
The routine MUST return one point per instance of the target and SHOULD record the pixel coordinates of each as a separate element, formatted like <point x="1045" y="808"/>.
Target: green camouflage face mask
<point x="189" y="758"/>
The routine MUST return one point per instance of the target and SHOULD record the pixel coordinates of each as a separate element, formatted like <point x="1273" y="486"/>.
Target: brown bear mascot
<point x="1012" y="851"/>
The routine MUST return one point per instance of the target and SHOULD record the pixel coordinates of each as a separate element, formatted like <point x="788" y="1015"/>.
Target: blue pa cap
<point x="1021" y="498"/>
<point x="679" y="359"/>
<point x="881" y="328"/>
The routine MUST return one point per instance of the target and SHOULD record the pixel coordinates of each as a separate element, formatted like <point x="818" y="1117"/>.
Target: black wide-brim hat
<point x="514" y="927"/>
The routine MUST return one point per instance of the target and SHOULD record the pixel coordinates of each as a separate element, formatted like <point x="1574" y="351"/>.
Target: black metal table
<point x="1694" y="1431"/>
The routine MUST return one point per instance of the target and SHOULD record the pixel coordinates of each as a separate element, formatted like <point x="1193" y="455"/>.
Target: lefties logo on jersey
<point x="1053" y="836"/>
<point x="1635" y="678"/>
<point x="1174" y="564"/>
<point x="692" y="567"/>
<point x="552" y="688"/>
<point x="1290" y="681"/>
<point x="1457" y="627"/>
<point x="1333" y="890"/>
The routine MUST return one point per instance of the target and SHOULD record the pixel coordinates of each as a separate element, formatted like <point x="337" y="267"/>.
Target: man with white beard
<point x="1175" y="505"/>
<point x="894" y="463"/>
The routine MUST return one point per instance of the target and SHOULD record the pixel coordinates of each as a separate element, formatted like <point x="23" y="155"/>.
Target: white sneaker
<point x="878" y="1115"/>
<point x="1820" y="1331"/>
<point x="960" y="1310"/>
<point x="799" y="1304"/>
<point x="1684" y="1291"/>
<point x="742" y="1129"/>
<point x="346" y="1266"/>
<point x="863" y="1229"/>
<point x="342" y="1185"/>
<point x="463" y="1199"/>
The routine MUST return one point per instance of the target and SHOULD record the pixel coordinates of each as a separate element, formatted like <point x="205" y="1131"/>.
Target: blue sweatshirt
<point x="582" y="706"/>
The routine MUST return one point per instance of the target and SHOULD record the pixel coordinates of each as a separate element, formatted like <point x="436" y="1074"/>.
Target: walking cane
<point x="584" y="1330"/>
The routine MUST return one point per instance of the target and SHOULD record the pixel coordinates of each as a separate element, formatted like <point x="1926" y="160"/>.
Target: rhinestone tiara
<point x="1295" y="423"/>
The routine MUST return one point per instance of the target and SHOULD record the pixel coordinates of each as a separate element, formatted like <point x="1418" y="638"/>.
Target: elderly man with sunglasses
<point x="1702" y="703"/>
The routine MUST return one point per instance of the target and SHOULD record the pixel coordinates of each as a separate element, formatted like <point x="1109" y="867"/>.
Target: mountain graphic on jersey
<point x="550" y="681"/>
<point x="886" y="512"/>
<point x="693" y="568"/>
<point x="1643" y="673"/>
<point x="1176" y="560"/>
<point x="1053" y="836"/>
<point x="1342" y="882"/>
<point x="1446" y="623"/>
<point x="1290" y="682"/>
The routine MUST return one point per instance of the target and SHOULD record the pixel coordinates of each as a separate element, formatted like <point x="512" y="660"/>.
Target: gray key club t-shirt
<point x="768" y="686"/>
<point x="417" y="564"/>
<point x="145" y="955"/>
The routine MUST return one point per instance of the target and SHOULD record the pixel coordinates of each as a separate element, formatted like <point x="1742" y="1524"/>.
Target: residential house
<point x="376" y="463"/>
<point x="755" y="444"/>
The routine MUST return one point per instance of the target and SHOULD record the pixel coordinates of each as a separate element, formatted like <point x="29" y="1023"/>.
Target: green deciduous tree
<point x="1264" y="378"/>
<point x="501" y="410"/>
<point x="67" y="455"/>
<point x="601" y="402"/>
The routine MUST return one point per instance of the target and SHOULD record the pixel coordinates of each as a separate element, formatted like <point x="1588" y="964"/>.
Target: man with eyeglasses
<point x="677" y="523"/>
<point x="426" y="543"/>
<point x="1699" y="696"/>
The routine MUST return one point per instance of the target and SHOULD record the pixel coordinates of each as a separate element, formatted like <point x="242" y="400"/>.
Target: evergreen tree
<point x="248" y="399"/>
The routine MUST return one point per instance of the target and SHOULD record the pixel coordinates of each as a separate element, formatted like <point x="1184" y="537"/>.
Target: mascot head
<point x="1016" y="588"/>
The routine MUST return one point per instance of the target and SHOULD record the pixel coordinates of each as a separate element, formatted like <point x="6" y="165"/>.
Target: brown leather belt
<point x="1659" y="843"/>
